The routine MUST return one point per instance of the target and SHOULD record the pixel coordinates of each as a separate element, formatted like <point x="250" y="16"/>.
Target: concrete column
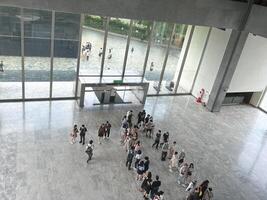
<point x="226" y="70"/>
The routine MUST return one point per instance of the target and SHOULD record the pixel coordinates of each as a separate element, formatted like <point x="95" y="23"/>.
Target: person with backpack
<point x="83" y="131"/>
<point x="140" y="170"/>
<point x="130" y="157"/>
<point x="89" y="150"/>
<point x="155" y="187"/>
<point x="157" y="139"/>
<point x="164" y="151"/>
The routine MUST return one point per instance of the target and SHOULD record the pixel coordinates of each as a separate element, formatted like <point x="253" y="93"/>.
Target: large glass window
<point x="116" y="44"/>
<point x="177" y="40"/>
<point x="66" y="46"/>
<point x="37" y="31"/>
<point x="160" y="38"/>
<point x="138" y="47"/>
<point x="93" y="33"/>
<point x="10" y="54"/>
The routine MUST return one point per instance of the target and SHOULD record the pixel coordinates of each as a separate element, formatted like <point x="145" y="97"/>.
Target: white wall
<point x="193" y="57"/>
<point x="212" y="59"/>
<point x="251" y="71"/>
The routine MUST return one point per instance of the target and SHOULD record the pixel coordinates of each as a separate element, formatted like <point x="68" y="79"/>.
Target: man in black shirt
<point x="157" y="139"/>
<point x="155" y="187"/>
<point x="83" y="131"/>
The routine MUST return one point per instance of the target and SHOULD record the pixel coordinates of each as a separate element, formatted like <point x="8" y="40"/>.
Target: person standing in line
<point x="130" y="157"/>
<point x="159" y="196"/>
<point x="143" y="115"/>
<point x="171" y="150"/>
<point x="124" y="123"/>
<point x="74" y="134"/>
<point x="138" y="158"/>
<point x="191" y="186"/>
<point x="139" y="118"/>
<point x="137" y="147"/>
<point x="140" y="170"/>
<point x="83" y="131"/>
<point x="146" y="163"/>
<point x="157" y="139"/>
<point x="135" y="133"/>
<point x="174" y="162"/>
<point x="182" y="174"/>
<point x="107" y="129"/>
<point x="101" y="133"/>
<point x="202" y="188"/>
<point x="181" y="158"/>
<point x="129" y="118"/>
<point x="208" y="195"/>
<point x="164" y="151"/>
<point x="146" y="184"/>
<point x="89" y="150"/>
<point x="155" y="187"/>
<point x="189" y="173"/>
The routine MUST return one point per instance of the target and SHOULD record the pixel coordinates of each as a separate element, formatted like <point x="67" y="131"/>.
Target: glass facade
<point x="66" y="44"/>
<point x="10" y="54"/>
<point x="42" y="51"/>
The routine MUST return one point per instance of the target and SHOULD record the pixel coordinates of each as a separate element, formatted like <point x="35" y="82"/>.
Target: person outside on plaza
<point x="100" y="52"/>
<point x="89" y="150"/>
<point x="101" y="132"/>
<point x="83" y="131"/>
<point x="130" y="157"/>
<point x="157" y="139"/>
<point x="164" y="151"/>
<point x="171" y="150"/>
<point x="174" y="162"/>
<point x="155" y="187"/>
<point x="74" y="134"/>
<point x="107" y="129"/>
<point x="182" y="174"/>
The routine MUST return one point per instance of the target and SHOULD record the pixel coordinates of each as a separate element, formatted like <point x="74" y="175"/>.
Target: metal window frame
<point x="184" y="58"/>
<point x="104" y="48"/>
<point x="148" y="50"/>
<point x="79" y="55"/>
<point x="166" y="58"/>
<point x="127" y="50"/>
<point x="52" y="53"/>
<point x="22" y="53"/>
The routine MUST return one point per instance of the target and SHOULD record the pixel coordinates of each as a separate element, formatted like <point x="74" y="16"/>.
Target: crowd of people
<point x="131" y="135"/>
<point x="130" y="138"/>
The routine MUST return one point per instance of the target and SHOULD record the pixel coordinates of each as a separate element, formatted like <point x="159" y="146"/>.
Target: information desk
<point x="107" y="92"/>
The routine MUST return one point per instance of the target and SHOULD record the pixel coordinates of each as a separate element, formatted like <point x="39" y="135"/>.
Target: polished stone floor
<point x="37" y="162"/>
